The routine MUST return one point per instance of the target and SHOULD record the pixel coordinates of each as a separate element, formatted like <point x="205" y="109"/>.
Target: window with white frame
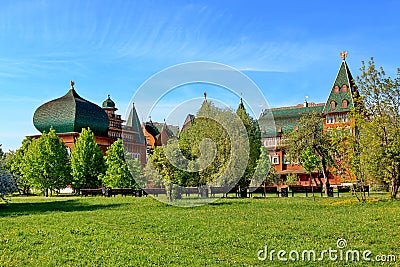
<point x="330" y="119"/>
<point x="333" y="105"/>
<point x="271" y="141"/>
<point x="341" y="118"/>
<point x="275" y="159"/>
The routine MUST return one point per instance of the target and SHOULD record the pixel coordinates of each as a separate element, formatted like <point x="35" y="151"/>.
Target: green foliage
<point x="117" y="174"/>
<point x="345" y="146"/>
<point x="291" y="179"/>
<point x="215" y="147"/>
<point x="201" y="129"/>
<point x="8" y="182"/>
<point x="264" y="172"/>
<point x="152" y="176"/>
<point x="309" y="160"/>
<point x="87" y="161"/>
<point x="218" y="147"/>
<point x="45" y="164"/>
<point x="160" y="163"/>
<point x="310" y="137"/>
<point x="1" y="152"/>
<point x="169" y="172"/>
<point x="254" y="137"/>
<point x="378" y="122"/>
<point x="13" y="163"/>
<point x="136" y="171"/>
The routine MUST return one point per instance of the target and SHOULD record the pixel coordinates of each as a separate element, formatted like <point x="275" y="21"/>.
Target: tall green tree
<point x="205" y="128"/>
<point x="264" y="172"/>
<point x="254" y="137"/>
<point x="347" y="148"/>
<point x="1" y="152"/>
<point x="152" y="176"/>
<point x="378" y="123"/>
<point x="310" y="136"/>
<point x="215" y="146"/>
<point x="117" y="173"/>
<point x="136" y="170"/>
<point x="174" y="167"/>
<point x="161" y="164"/>
<point x="309" y="161"/>
<point x="46" y="163"/>
<point x="15" y="161"/>
<point x="87" y="161"/>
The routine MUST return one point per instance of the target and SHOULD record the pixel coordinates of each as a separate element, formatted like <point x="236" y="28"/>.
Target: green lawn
<point x="128" y="231"/>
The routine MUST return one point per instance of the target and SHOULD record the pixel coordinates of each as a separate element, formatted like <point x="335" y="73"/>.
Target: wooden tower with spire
<point x="114" y="120"/>
<point x="340" y="100"/>
<point x="133" y="137"/>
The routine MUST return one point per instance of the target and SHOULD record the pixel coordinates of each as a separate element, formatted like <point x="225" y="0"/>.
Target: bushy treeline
<point x="219" y="148"/>
<point x="46" y="164"/>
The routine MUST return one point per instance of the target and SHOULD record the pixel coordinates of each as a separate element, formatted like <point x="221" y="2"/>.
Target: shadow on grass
<point x="230" y="201"/>
<point x="30" y="208"/>
<point x="220" y="203"/>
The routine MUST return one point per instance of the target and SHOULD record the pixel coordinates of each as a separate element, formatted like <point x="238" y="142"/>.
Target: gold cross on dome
<point x="344" y="54"/>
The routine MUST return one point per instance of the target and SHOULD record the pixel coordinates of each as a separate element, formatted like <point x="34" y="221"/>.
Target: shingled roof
<point x="108" y="103"/>
<point x="345" y="88"/>
<point x="189" y="120"/>
<point x="164" y="136"/>
<point x="133" y="124"/>
<point x="71" y="113"/>
<point x="287" y="118"/>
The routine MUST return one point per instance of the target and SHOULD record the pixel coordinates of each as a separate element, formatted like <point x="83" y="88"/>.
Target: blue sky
<point x="290" y="49"/>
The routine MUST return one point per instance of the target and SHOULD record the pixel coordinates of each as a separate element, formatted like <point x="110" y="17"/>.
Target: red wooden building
<point x="335" y="111"/>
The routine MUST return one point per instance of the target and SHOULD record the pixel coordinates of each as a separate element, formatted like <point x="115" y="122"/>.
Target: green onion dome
<point x="108" y="103"/>
<point x="71" y="113"/>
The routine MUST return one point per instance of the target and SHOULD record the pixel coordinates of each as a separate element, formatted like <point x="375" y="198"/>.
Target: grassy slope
<point x="74" y="231"/>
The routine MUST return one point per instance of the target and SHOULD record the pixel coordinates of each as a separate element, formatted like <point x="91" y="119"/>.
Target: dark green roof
<point x="174" y="130"/>
<point x="71" y="113"/>
<point x="108" y="103"/>
<point x="343" y="77"/>
<point x="151" y="129"/>
<point x="286" y="118"/>
<point x="133" y="124"/>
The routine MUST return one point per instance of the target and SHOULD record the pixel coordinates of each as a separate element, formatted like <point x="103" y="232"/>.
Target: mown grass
<point x="127" y="231"/>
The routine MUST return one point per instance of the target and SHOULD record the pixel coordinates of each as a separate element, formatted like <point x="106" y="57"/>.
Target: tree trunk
<point x="312" y="187"/>
<point x="395" y="188"/>
<point x="324" y="173"/>
<point x="319" y="179"/>
<point x="47" y="192"/>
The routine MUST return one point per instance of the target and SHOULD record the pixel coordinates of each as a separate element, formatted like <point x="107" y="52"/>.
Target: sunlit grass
<point x="128" y="231"/>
